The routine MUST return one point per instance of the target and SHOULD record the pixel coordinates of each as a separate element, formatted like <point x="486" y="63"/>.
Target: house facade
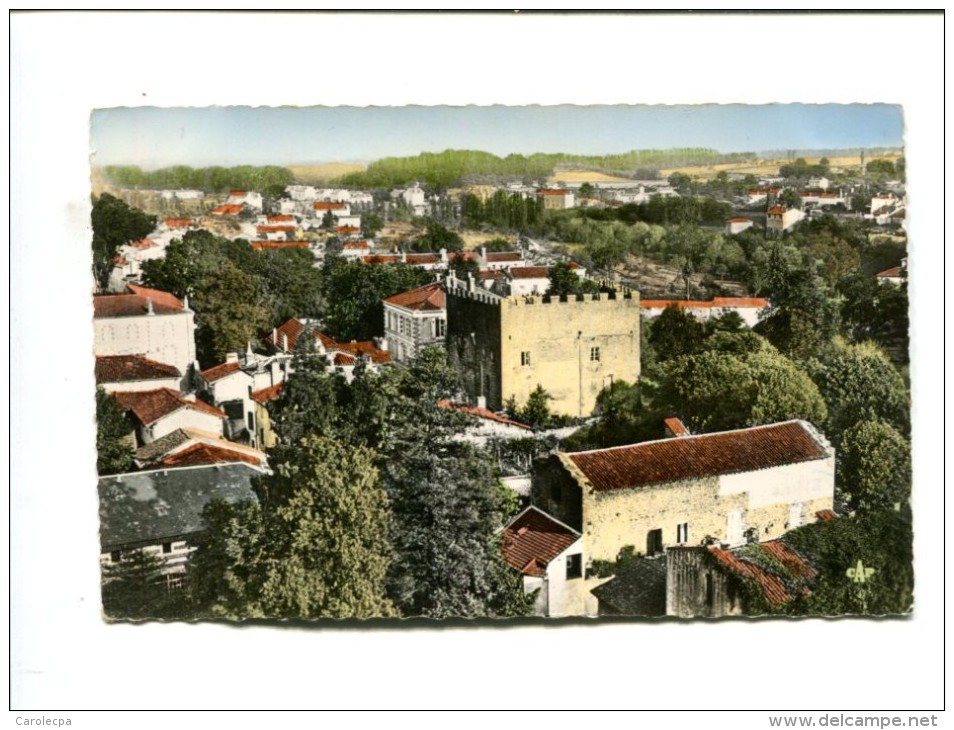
<point x="414" y="320"/>
<point x="779" y="219"/>
<point x="147" y="322"/>
<point x="133" y="373"/>
<point x="504" y="347"/>
<point x="732" y="487"/>
<point x="549" y="557"/>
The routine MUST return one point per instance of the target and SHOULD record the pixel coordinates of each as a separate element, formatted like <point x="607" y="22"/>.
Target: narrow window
<point x="594" y="354"/>
<point x="654" y="542"/>
<point x="574" y="566"/>
<point x="682" y="532"/>
<point x="525" y="358"/>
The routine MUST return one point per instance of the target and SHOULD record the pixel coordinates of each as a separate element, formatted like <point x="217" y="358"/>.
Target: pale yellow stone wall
<point x="561" y="338"/>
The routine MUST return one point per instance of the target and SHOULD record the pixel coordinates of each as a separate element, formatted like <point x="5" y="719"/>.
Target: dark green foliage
<point x="114" y="441"/>
<point x="236" y="292"/>
<point x="563" y="280"/>
<point x="882" y="167"/>
<point x="268" y="178"/>
<point x="874" y="466"/>
<point x="675" y="332"/>
<point x="437" y="237"/>
<point x="719" y="390"/>
<point x="802" y="169"/>
<point x="354" y="291"/>
<point x="135" y="588"/>
<point x="874" y="311"/>
<point x="114" y="225"/>
<point x="512" y="212"/>
<point x="443" y="169"/>
<point x="790" y="198"/>
<point x="859" y="383"/>
<point x="625" y="419"/>
<point x="881" y="540"/>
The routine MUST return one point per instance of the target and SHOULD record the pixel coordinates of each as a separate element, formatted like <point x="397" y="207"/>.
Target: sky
<point x="154" y="137"/>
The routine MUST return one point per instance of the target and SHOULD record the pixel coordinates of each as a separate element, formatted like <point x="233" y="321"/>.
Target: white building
<point x="737" y="225"/>
<point x="245" y="197"/>
<point x="147" y="322"/>
<point x="779" y="219"/>
<point x="162" y="411"/>
<point x="549" y="556"/>
<point x="749" y="308"/>
<point x="133" y="373"/>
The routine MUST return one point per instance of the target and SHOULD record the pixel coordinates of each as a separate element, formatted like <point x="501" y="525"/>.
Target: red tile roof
<point x="217" y="372"/>
<point x="151" y="405"/>
<point x="552" y="191"/>
<point x="280" y="218"/>
<point x="463" y="255"/>
<point x="365" y="347"/>
<point x="893" y="273"/>
<point x="122" y="368"/>
<point x="178" y="222"/>
<point x="347" y="229"/>
<point x="694" y="457"/>
<point x="379" y="259"/>
<point x="228" y="209"/>
<point x="263" y="245"/>
<point x="143" y="243"/>
<point x="715" y="302"/>
<point x="202" y="453"/>
<point x="676" y="427"/>
<point x="327" y="205"/>
<point x="825" y="514"/>
<point x="773" y="586"/>
<point x="343" y="359"/>
<point x="293" y="329"/>
<point x="499" y="256"/>
<point x="481" y="413"/>
<point x="417" y="259"/>
<point x="133" y="302"/>
<point x="237" y="193"/>
<point x="530" y="272"/>
<point x="270" y="393"/>
<point x="355" y="244"/>
<point x="777" y="209"/>
<point x="429" y="297"/>
<point x="738" y="220"/>
<point x="533" y="539"/>
<point x="491" y="274"/>
<point x="274" y="229"/>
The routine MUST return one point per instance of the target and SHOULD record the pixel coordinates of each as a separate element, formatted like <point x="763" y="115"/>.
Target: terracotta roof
<point x="491" y="274"/>
<point x="892" y="273"/>
<point x="772" y="585"/>
<point x="676" y="427"/>
<point x="343" y="359"/>
<point x="422" y="258"/>
<point x="151" y="405"/>
<point x="463" y="255"/>
<point x="280" y="218"/>
<point x="481" y="413"/>
<point x="143" y="243"/>
<point x="228" y="209"/>
<point x="262" y="245"/>
<point x="274" y="229"/>
<point x="162" y="445"/>
<point x="552" y="191"/>
<point x="826" y="514"/>
<point x="504" y="256"/>
<point x="355" y="244"/>
<point x="379" y="259"/>
<point x="178" y="222"/>
<point x="265" y="395"/>
<point x="530" y="272"/>
<point x="365" y="347"/>
<point x="777" y="209"/>
<point x="204" y="453"/>
<point x="347" y="229"/>
<point x="133" y="302"/>
<point x="703" y="455"/>
<point x="533" y="539"/>
<point x="429" y="297"/>
<point x="237" y="193"/>
<point x="327" y="205"/>
<point x="738" y="220"/>
<point x="715" y="302"/>
<point x="219" y="371"/>
<point x="121" y="368"/>
<point x="293" y="329"/>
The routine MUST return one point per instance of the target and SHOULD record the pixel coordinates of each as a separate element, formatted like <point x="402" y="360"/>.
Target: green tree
<point x="371" y="223"/>
<point x="114" y="442"/>
<point x="859" y="383"/>
<point x="135" y="588"/>
<point x="718" y="390"/>
<point x="437" y="237"/>
<point x="229" y="313"/>
<point x="563" y="280"/>
<point x="874" y="466"/>
<point x="114" y="225"/>
<point x="675" y="332"/>
<point x="790" y="198"/>
<point x="537" y="411"/>
<point x="326" y="522"/>
<point x="587" y="190"/>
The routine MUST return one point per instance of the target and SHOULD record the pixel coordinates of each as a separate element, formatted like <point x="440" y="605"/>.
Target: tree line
<point x="264" y="178"/>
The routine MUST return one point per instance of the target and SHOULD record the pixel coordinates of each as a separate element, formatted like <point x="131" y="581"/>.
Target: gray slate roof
<point x="162" y="446"/>
<point x="639" y="589"/>
<point x="145" y="508"/>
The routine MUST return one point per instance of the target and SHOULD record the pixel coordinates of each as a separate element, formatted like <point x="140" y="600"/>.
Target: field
<point x="770" y="166"/>
<point x="312" y="174"/>
<point x="583" y="176"/>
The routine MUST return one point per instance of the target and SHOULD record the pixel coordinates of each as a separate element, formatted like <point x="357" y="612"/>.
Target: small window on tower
<point x="524" y="358"/>
<point x="594" y="354"/>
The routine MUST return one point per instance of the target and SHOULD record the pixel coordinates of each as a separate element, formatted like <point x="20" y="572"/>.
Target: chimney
<point x="185" y="303"/>
<point x="381" y="343"/>
<point x="275" y="372"/>
<point x="483" y="252"/>
<point x="275" y="336"/>
<point x="284" y="342"/>
<point x="149" y="309"/>
<point x="482" y="401"/>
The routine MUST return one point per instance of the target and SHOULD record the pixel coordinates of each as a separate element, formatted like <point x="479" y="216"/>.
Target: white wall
<point x="783" y="484"/>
